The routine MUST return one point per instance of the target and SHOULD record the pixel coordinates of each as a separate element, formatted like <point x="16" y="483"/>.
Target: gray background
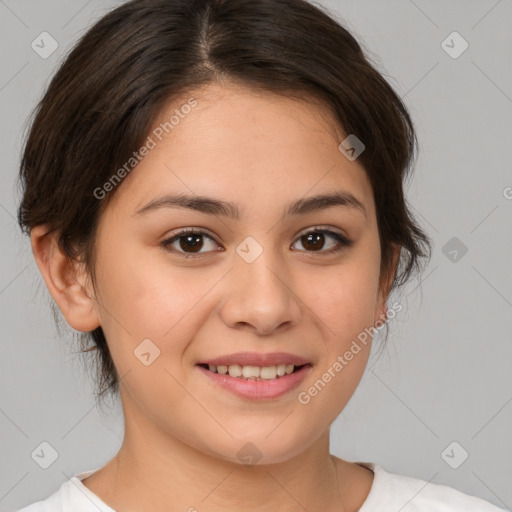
<point x="445" y="375"/>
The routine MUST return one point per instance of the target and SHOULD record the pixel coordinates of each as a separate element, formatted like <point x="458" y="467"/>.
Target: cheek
<point x="344" y="300"/>
<point x="151" y="301"/>
<point x="154" y="311"/>
<point x="148" y="297"/>
<point x="344" y="297"/>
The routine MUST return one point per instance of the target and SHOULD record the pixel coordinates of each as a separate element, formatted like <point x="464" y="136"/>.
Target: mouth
<point x="253" y="376"/>
<point x="254" y="373"/>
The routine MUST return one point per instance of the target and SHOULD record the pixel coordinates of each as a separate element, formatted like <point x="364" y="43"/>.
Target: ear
<point x="66" y="280"/>
<point x="386" y="281"/>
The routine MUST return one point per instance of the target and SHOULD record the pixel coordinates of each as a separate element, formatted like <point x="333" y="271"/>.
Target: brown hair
<point x="102" y="102"/>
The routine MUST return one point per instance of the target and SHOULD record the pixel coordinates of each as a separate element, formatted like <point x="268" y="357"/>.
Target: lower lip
<point x="258" y="389"/>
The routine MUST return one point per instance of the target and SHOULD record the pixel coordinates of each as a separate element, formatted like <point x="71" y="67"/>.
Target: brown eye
<point x="189" y="242"/>
<point x="315" y="241"/>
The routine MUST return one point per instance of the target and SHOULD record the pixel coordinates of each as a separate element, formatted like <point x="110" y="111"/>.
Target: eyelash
<point x="343" y="242"/>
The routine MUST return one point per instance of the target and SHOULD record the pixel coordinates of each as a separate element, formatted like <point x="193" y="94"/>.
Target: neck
<point x="153" y="470"/>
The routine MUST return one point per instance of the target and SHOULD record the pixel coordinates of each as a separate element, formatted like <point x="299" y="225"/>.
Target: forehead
<point x="242" y="145"/>
<point x="236" y="117"/>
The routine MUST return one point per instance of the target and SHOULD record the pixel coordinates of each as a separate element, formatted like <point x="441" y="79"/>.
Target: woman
<point x="214" y="195"/>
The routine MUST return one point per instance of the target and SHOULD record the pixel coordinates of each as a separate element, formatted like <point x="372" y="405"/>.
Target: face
<point x="251" y="285"/>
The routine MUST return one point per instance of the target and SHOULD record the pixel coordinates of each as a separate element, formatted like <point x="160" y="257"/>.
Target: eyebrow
<point x="212" y="206"/>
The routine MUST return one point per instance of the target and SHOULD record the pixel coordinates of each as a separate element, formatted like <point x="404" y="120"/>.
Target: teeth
<point x="268" y="372"/>
<point x="250" y="371"/>
<point x="253" y="372"/>
<point x="235" y="370"/>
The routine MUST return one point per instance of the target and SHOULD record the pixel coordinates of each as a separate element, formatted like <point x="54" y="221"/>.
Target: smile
<point x="255" y="382"/>
<point x="256" y="373"/>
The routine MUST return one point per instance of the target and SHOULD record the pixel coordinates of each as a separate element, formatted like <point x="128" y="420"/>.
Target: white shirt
<point x="389" y="493"/>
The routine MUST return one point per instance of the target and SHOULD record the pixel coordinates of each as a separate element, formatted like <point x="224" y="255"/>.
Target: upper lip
<point x="256" y="359"/>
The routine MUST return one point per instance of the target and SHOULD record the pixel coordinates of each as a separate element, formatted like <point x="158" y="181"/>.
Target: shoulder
<point x="72" y="496"/>
<point x="408" y="494"/>
<point x="53" y="503"/>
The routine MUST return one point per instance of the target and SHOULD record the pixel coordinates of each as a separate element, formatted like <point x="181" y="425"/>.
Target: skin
<point x="182" y="433"/>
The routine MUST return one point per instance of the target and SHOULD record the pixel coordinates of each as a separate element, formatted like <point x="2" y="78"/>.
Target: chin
<point x="258" y="449"/>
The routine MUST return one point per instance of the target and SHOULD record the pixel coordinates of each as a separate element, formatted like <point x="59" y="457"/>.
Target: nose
<point x="259" y="296"/>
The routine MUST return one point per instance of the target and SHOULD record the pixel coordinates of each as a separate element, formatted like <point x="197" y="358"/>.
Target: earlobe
<point x="66" y="281"/>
